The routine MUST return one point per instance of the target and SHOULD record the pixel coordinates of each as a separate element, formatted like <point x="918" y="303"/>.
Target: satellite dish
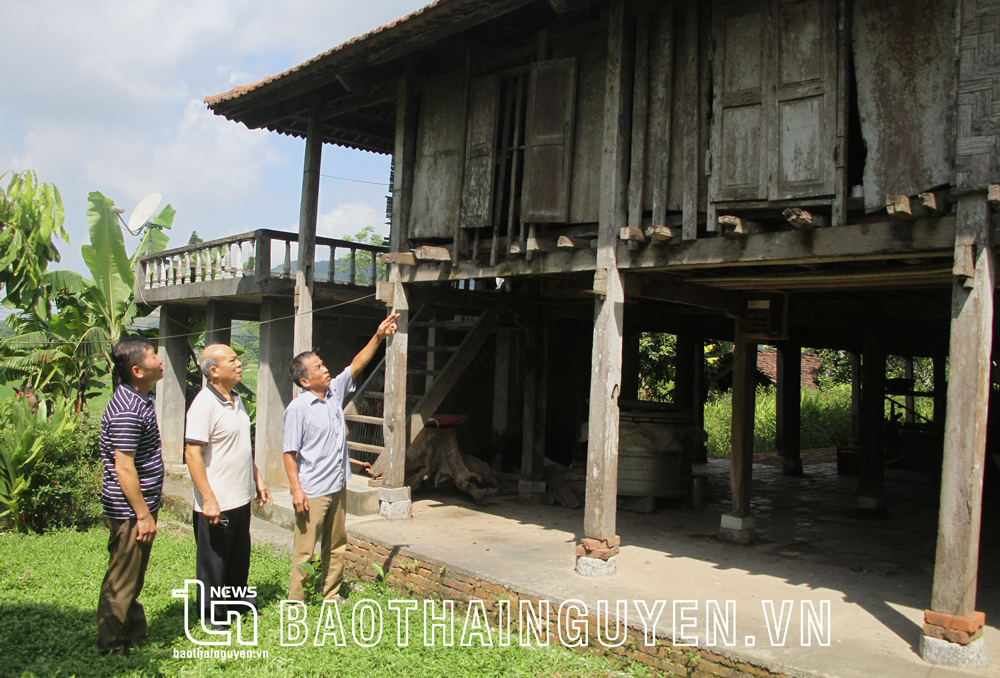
<point x="143" y="213"/>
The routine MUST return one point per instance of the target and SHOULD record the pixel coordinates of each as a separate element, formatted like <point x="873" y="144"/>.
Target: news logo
<point x="233" y="594"/>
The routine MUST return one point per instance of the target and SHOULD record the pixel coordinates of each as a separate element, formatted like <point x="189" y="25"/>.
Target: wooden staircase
<point x="438" y="354"/>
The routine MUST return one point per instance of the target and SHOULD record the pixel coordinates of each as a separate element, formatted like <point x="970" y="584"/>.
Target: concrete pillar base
<point x="737" y="530"/>
<point x="531" y="491"/>
<point x="394" y="503"/>
<point x="936" y="651"/>
<point x="871" y="503"/>
<point x="595" y="567"/>
<point x="791" y="467"/>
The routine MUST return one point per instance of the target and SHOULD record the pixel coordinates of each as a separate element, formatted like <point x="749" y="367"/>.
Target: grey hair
<point x="208" y="360"/>
<point x="298" y="369"/>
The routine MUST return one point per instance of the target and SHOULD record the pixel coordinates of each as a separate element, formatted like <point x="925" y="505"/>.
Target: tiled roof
<point x="305" y="66"/>
<point x="767" y="364"/>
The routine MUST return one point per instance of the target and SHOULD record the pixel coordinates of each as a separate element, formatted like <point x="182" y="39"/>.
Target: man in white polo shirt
<point x="226" y="479"/>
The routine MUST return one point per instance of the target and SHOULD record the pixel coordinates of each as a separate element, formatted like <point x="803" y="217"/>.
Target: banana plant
<point x="22" y="446"/>
<point x="31" y="214"/>
<point x="72" y="347"/>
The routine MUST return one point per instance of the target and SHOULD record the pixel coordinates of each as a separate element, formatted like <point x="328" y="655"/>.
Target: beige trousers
<point x="120" y="617"/>
<point x="324" y="521"/>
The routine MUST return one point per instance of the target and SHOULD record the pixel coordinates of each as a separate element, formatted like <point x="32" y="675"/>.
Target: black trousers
<point x="223" y="560"/>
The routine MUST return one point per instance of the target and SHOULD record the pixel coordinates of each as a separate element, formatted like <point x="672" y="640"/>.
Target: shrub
<point x="64" y="487"/>
<point x="826" y="419"/>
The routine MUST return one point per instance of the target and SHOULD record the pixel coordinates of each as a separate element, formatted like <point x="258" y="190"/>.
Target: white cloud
<point x="107" y="95"/>
<point x="350" y="218"/>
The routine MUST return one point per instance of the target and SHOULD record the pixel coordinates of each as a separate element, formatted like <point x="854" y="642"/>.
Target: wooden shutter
<point x="548" y="141"/>
<point x="480" y="153"/>
<point x="741" y="116"/>
<point x="803" y="134"/>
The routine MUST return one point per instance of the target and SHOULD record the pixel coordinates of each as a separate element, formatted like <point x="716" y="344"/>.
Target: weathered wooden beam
<point x="937" y="203"/>
<point x="993" y="195"/>
<point x="957" y="560"/>
<point x="400" y="258"/>
<point x="630" y="234"/>
<point x="394" y="423"/>
<point x="542" y="245"/>
<point x="640" y="120"/>
<point x="800" y="218"/>
<point x="432" y="253"/>
<point x="501" y="395"/>
<point x="871" y="474"/>
<point x="788" y="434"/>
<point x="738" y="525"/>
<point x="737" y="226"/>
<point x="905" y="207"/>
<point x="663" y="234"/>
<point x="569" y="242"/>
<point x="605" y="383"/>
<point x="661" y="288"/>
<point x="308" y="211"/>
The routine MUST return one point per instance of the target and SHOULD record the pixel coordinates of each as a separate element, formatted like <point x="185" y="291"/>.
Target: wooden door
<point x="480" y="153"/>
<point x="548" y="142"/>
<point x="741" y="97"/>
<point x="803" y="132"/>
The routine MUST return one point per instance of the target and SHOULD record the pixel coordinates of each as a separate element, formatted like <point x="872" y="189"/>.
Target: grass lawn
<point x="48" y="598"/>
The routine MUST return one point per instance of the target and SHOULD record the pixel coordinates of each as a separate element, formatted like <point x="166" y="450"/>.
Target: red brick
<point x="613" y="541"/>
<point x="581" y="551"/>
<point x="951" y="635"/>
<point x="591" y="544"/>
<point x="968" y="623"/>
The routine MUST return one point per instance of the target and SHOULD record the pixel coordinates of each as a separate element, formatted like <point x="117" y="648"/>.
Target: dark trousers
<point x="120" y="617"/>
<point x="223" y="560"/>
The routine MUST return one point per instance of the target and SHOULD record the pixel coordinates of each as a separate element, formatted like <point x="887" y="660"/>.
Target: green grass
<point x="48" y="597"/>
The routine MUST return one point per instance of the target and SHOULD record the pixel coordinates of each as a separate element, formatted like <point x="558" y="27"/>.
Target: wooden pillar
<point x="394" y="495"/>
<point x="689" y="371"/>
<point x="308" y="209"/>
<point x="855" y="399"/>
<point x="171" y="405"/>
<point x="956" y="565"/>
<point x="395" y="432"/>
<point x="501" y="395"/>
<point x="908" y="401"/>
<point x="274" y="386"/>
<point x="940" y="389"/>
<point x="871" y="471"/>
<point x="606" y="358"/>
<point x="788" y="429"/>
<point x="738" y="525"/>
<point x="531" y="489"/>
<point x="630" y="364"/>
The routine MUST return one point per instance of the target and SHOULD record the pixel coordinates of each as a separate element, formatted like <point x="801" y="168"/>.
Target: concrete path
<point x="875" y="602"/>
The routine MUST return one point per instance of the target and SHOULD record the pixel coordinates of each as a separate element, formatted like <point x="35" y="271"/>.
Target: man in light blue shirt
<point x="316" y="461"/>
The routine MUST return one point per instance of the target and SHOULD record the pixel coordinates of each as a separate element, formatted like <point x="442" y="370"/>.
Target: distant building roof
<point x="767" y="364"/>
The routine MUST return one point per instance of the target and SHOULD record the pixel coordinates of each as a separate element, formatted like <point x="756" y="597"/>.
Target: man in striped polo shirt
<point x="133" y="479"/>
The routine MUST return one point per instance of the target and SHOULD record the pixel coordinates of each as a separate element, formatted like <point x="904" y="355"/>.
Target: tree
<point x="70" y="350"/>
<point x="362" y="259"/>
<point x="31" y="214"/>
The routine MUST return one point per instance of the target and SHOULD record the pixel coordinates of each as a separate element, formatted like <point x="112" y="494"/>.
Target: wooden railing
<point x="248" y="255"/>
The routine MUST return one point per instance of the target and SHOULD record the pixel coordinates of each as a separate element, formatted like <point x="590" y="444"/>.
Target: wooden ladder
<point x="442" y="364"/>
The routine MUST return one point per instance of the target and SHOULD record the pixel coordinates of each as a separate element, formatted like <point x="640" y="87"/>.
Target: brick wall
<point x="433" y="579"/>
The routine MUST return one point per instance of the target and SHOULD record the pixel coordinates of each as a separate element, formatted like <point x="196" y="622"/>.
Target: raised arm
<point x="361" y="360"/>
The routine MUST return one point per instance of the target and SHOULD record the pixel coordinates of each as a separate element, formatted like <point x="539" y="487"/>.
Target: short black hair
<point x="298" y="370"/>
<point x="126" y="354"/>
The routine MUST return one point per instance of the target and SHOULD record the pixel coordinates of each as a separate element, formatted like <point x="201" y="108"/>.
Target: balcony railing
<point x="249" y="255"/>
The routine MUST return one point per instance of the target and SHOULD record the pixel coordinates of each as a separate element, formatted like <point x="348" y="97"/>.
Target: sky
<point x="107" y="95"/>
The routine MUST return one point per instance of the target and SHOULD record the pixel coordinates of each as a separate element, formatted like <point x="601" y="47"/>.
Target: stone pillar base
<point x="394" y="503"/>
<point x="937" y="651"/>
<point x="596" y="557"/>
<point x="531" y="491"/>
<point x="737" y="530"/>
<point x="791" y="467"/>
<point x="871" y="503"/>
<point x="595" y="567"/>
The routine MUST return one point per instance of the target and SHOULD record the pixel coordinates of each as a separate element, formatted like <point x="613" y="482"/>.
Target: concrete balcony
<point x="245" y="266"/>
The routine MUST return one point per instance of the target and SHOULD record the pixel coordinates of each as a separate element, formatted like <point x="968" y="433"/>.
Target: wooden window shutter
<point x="480" y="153"/>
<point x="548" y="141"/>
<point x="739" y="170"/>
<point x="804" y="82"/>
